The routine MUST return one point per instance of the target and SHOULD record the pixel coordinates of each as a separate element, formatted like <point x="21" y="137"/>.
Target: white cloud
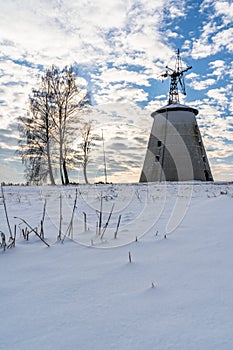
<point x="176" y="9"/>
<point x="216" y="129"/>
<point x="88" y="30"/>
<point x="172" y="34"/>
<point x="224" y="9"/>
<point x="222" y="171"/>
<point x="201" y="84"/>
<point x="122" y="75"/>
<point x="192" y="76"/>
<point x="118" y="93"/>
<point x="221" y="95"/>
<point x="104" y="38"/>
<point x="223" y="39"/>
<point x="215" y="34"/>
<point x="96" y="34"/>
<point x="219" y="68"/>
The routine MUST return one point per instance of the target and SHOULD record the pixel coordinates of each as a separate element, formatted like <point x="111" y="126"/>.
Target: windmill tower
<point x="175" y="149"/>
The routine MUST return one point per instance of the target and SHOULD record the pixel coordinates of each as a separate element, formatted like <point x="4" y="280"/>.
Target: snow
<point x="85" y="294"/>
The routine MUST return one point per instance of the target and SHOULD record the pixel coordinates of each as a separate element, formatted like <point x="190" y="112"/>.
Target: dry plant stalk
<point x="85" y="221"/>
<point x="118" y="224"/>
<point x="107" y="222"/>
<point x="101" y="213"/>
<point x="6" y="214"/>
<point x="12" y="244"/>
<point x="33" y="230"/>
<point x="3" y="243"/>
<point x="69" y="231"/>
<point x="60" y="220"/>
<point x="25" y="233"/>
<point x="42" y="221"/>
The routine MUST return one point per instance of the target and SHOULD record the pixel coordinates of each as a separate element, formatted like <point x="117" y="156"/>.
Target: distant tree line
<point x="47" y="133"/>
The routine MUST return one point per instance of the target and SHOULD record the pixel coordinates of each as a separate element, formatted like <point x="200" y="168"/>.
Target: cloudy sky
<point x="120" y="48"/>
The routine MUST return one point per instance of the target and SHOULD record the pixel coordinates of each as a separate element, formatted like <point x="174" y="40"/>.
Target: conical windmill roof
<point x="175" y="107"/>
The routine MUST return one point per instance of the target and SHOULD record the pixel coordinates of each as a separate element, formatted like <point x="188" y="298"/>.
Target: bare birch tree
<point x="36" y="132"/>
<point x="88" y="141"/>
<point x="55" y="111"/>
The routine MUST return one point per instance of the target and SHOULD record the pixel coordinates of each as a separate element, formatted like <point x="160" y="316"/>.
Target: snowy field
<point x="82" y="292"/>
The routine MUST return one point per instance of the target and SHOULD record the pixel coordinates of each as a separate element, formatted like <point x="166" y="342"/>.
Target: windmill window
<point x="157" y="158"/>
<point x="159" y="143"/>
<point x="204" y="158"/>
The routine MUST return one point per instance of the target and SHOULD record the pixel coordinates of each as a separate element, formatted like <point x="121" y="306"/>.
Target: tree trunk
<point x="61" y="150"/>
<point x="85" y="171"/>
<point x="65" y="173"/>
<point x="61" y="167"/>
<point x="52" y="181"/>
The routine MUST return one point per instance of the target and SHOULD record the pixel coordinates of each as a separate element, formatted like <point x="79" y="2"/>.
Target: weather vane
<point x="177" y="77"/>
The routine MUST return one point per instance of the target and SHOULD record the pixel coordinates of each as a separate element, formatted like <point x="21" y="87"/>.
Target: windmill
<point x="177" y="78"/>
<point x="175" y="149"/>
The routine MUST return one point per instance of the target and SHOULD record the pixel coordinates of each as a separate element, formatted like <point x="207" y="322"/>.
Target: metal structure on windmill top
<point x="175" y="149"/>
<point x="177" y="78"/>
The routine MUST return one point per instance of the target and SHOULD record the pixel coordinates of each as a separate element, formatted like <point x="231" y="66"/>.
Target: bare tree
<point x="69" y="102"/>
<point x="88" y="141"/>
<point x="46" y="134"/>
<point x="36" y="140"/>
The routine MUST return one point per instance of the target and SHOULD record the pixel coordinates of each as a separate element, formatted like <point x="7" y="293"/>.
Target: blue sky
<point x="120" y="49"/>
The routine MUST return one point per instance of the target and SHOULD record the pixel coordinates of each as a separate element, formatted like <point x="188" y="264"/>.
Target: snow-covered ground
<point x="177" y="293"/>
